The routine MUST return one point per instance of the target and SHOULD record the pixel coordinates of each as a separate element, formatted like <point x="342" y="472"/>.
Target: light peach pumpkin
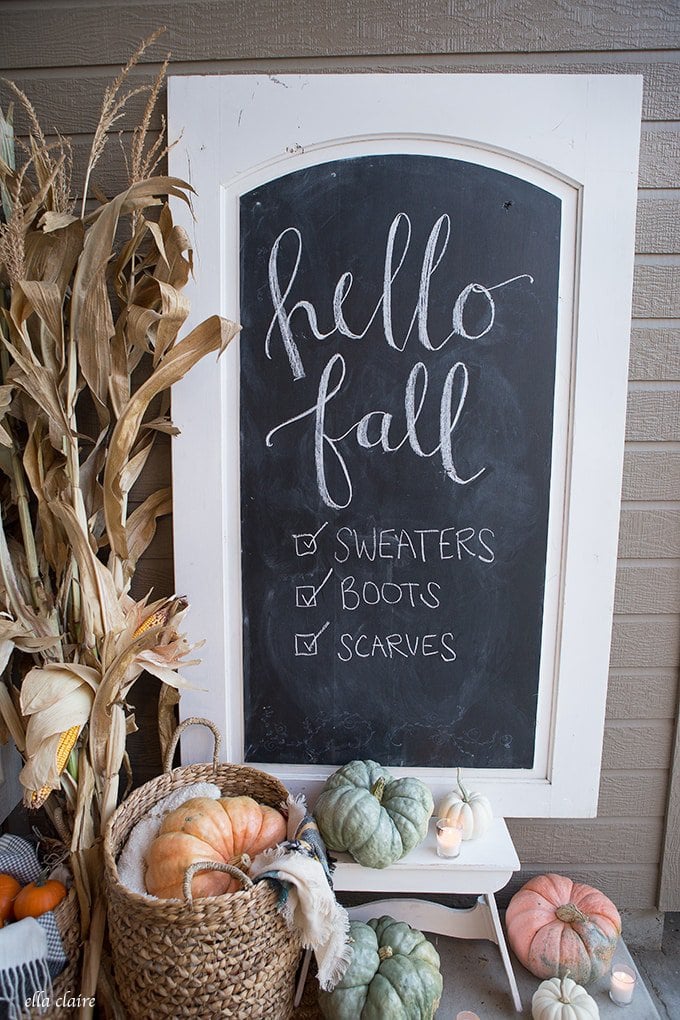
<point x="558" y="927"/>
<point x="209" y="830"/>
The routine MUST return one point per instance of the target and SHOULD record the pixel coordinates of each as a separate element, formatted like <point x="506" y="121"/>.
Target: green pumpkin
<point x="377" y="819"/>
<point x="393" y="975"/>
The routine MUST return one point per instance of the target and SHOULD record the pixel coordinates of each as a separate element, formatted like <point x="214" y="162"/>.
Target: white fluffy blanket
<point x="132" y="860"/>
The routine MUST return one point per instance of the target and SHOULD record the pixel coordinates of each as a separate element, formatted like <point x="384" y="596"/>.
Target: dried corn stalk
<point x="90" y="303"/>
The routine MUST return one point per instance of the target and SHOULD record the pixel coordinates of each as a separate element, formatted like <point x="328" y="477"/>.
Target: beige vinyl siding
<point x="64" y="53"/>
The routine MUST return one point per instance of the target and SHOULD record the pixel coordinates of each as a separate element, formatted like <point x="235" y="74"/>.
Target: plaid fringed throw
<point x="31" y="951"/>
<point x="19" y="859"/>
<point x="307" y="901"/>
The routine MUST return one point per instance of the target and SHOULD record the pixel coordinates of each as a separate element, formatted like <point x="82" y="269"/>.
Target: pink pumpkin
<point x="558" y="927"/>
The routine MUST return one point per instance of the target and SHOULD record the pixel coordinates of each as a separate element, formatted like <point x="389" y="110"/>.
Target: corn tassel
<point x="66" y="744"/>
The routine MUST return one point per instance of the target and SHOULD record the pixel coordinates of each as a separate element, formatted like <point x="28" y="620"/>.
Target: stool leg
<point x="505" y="956"/>
<point x="304" y="970"/>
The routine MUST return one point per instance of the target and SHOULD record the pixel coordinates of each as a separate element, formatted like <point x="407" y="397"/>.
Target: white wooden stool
<point x="484" y="866"/>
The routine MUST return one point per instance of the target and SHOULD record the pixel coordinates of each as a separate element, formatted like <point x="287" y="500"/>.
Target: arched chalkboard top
<point x="399" y="318"/>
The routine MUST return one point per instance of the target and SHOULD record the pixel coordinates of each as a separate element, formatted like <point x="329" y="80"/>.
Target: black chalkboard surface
<point x="398" y="349"/>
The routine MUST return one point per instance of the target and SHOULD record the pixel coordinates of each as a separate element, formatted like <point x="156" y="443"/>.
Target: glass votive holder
<point x="449" y="838"/>
<point x="622" y="984"/>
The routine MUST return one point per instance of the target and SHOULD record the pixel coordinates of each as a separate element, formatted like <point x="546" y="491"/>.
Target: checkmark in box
<point x="306" y="594"/>
<point x="306" y="544"/>
<point x="308" y="644"/>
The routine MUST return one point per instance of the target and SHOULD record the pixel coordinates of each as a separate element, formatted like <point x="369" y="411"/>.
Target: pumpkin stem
<point x="463" y="792"/>
<point x="569" y="913"/>
<point x="241" y="861"/>
<point x="378" y="789"/>
<point x="563" y="990"/>
<point x="385" y="952"/>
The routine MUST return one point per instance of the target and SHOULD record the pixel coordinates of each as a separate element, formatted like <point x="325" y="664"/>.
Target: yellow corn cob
<point x="162" y="615"/>
<point x="66" y="744"/>
<point x="156" y="619"/>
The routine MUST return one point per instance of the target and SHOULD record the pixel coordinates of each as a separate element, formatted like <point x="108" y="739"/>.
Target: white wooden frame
<point x="576" y="136"/>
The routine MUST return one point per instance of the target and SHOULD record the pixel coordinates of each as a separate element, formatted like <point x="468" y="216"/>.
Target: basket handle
<point x="197" y="866"/>
<point x="194" y="721"/>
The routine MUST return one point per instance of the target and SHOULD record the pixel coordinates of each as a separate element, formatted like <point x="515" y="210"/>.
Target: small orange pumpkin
<point x="209" y="830"/>
<point x="39" y="897"/>
<point x="558" y="927"/>
<point x="9" y="887"/>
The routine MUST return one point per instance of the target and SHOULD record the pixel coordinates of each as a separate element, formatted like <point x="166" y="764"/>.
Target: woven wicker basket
<point x="231" y="956"/>
<point x="66" y="985"/>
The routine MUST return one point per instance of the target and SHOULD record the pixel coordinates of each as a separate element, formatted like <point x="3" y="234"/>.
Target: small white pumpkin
<point x="471" y="811"/>
<point x="562" y="999"/>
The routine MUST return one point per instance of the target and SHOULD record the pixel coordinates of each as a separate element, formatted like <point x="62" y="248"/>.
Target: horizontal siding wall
<point x="63" y="54"/>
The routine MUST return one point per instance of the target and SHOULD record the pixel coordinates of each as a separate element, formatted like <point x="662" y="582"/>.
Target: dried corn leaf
<point x="155" y="663"/>
<point x="47" y="478"/>
<point x="115" y="752"/>
<point x="52" y="257"/>
<point x="119" y="676"/>
<point x="41" y="770"/>
<point x="212" y="335"/>
<point x="168" y="699"/>
<point x="128" y="254"/>
<point x="48" y="172"/>
<point x="135" y="465"/>
<point x="175" y="268"/>
<point x="13" y="635"/>
<point x="46" y="301"/>
<point x="100" y="597"/>
<point x="91" y="320"/>
<point x="90" y="487"/>
<point x="71" y="709"/>
<point x="93" y="332"/>
<point x="83" y="823"/>
<point x="14" y="597"/>
<point x="51" y="221"/>
<point x="5" y="399"/>
<point x="157" y="234"/>
<point x="11" y="718"/>
<point x="5" y="437"/>
<point x="45" y="686"/>
<point x="36" y="381"/>
<point x="162" y="425"/>
<point x="141" y="525"/>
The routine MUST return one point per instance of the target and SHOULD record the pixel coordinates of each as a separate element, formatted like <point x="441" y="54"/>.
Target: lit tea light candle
<point x="449" y="838"/>
<point x="622" y="984"/>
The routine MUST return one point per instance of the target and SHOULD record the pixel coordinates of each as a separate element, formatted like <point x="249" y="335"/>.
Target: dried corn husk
<point x="91" y="316"/>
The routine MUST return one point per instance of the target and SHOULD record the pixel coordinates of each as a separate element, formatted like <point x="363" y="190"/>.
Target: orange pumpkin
<point x="38" y="897"/>
<point x="558" y="927"/>
<point x="209" y="830"/>
<point x="9" y="887"/>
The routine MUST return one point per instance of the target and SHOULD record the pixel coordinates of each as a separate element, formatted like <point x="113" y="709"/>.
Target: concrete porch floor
<point x="474" y="979"/>
<point x="660" y="969"/>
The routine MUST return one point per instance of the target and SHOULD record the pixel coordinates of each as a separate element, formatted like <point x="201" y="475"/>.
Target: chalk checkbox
<point x="306" y="594"/>
<point x="306" y="544"/>
<point x="308" y="644"/>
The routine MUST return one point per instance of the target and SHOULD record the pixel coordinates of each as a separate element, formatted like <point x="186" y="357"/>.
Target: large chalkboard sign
<point x="384" y="491"/>
<point x="398" y="359"/>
